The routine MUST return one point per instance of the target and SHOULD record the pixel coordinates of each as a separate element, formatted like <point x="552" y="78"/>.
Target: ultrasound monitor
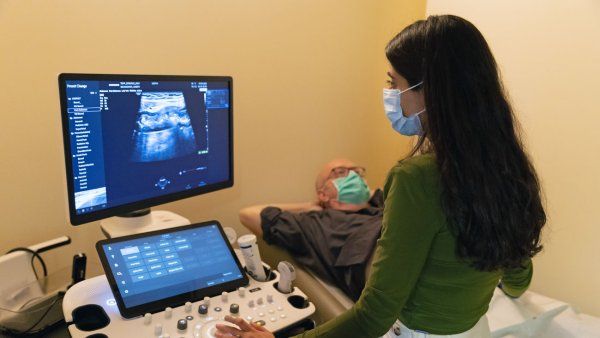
<point x="136" y="141"/>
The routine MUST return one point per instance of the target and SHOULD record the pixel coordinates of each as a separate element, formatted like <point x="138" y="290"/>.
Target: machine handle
<point x="51" y="244"/>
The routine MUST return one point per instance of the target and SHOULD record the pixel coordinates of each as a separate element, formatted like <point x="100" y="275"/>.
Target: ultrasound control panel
<point x="177" y="282"/>
<point x="258" y="302"/>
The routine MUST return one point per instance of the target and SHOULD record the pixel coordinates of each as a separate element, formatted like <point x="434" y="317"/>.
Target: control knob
<point x="182" y="324"/>
<point x="203" y="309"/>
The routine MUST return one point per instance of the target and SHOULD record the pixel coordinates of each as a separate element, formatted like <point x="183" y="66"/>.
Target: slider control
<point x="158" y="329"/>
<point x="224" y="296"/>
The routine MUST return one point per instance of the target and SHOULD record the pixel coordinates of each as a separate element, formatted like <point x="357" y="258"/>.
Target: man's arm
<point x="250" y="216"/>
<point x="409" y="226"/>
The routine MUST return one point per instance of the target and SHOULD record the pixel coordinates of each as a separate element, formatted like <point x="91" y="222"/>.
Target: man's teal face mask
<point x="352" y="189"/>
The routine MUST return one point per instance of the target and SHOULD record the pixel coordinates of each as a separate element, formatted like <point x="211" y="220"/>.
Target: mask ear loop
<point x="422" y="111"/>
<point x="409" y="88"/>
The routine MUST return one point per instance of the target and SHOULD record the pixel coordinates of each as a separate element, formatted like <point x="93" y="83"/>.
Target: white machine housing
<point x="257" y="301"/>
<point x="22" y="298"/>
<point x="155" y="220"/>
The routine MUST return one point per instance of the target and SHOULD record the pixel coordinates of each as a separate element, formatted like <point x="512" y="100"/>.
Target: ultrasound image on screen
<point x="163" y="128"/>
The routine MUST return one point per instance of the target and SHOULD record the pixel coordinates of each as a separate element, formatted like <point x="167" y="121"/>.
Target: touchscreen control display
<point x="152" y="268"/>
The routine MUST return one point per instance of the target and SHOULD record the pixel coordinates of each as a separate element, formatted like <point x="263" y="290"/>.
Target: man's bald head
<point x="327" y="192"/>
<point x="327" y="168"/>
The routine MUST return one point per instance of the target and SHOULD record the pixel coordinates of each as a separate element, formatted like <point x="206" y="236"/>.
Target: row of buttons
<point x="203" y="309"/>
<point x="233" y="309"/>
<point x="260" y="301"/>
<point x="273" y="319"/>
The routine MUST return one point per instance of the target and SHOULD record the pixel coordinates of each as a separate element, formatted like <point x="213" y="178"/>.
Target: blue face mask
<point x="407" y="126"/>
<point x="352" y="189"/>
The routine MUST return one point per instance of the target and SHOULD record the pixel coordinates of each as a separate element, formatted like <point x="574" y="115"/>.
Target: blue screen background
<point x="162" y="266"/>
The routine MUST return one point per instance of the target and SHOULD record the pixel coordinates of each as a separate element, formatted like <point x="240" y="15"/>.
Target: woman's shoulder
<point x="419" y="172"/>
<point x="416" y="165"/>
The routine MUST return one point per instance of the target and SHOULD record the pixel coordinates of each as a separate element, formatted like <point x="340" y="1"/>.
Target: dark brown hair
<point x="490" y="191"/>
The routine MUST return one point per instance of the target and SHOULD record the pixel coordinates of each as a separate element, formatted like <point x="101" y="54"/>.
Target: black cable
<point x="59" y="296"/>
<point x="34" y="255"/>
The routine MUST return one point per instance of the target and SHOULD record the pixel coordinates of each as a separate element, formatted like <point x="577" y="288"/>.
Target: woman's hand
<point x="246" y="330"/>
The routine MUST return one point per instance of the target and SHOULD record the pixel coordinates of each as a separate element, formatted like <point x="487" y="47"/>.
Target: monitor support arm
<point x="147" y="221"/>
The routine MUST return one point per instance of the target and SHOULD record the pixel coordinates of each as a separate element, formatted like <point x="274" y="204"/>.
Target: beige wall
<point x="549" y="54"/>
<point x="307" y="78"/>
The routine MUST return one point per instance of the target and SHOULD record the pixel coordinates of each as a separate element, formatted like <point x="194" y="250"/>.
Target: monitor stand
<point x="141" y="221"/>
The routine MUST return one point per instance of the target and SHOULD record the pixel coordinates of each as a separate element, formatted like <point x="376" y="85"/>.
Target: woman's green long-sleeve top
<point x="416" y="276"/>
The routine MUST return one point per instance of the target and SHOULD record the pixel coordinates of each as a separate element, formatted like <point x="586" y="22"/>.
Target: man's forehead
<point x="339" y="162"/>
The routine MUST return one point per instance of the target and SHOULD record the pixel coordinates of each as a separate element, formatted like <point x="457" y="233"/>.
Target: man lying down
<point x="335" y="236"/>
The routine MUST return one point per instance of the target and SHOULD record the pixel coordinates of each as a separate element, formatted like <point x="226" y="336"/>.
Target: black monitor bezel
<point x="78" y="219"/>
<point x="178" y="300"/>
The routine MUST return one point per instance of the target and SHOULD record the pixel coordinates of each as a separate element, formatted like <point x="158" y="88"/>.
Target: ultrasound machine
<point x="137" y="141"/>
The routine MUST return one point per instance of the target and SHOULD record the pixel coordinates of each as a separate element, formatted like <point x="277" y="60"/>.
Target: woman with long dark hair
<point x="463" y="212"/>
